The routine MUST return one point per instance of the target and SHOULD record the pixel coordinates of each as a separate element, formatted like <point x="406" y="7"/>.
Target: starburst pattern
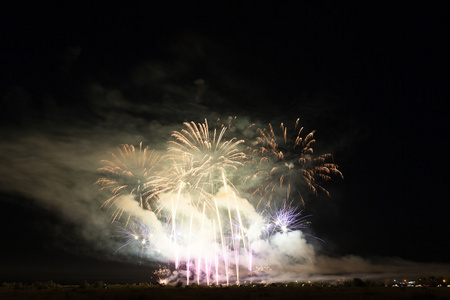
<point x="200" y="156"/>
<point x="130" y="171"/>
<point x="288" y="164"/>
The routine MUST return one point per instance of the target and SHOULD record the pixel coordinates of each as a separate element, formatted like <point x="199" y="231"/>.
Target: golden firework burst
<point x="286" y="163"/>
<point x="130" y="171"/>
<point x="199" y="156"/>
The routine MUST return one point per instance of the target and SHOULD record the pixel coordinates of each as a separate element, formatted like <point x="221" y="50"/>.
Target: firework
<point x="286" y="164"/>
<point x="287" y="218"/>
<point x="199" y="157"/>
<point x="132" y="172"/>
<point x="135" y="233"/>
<point x="163" y="274"/>
<point x="199" y="223"/>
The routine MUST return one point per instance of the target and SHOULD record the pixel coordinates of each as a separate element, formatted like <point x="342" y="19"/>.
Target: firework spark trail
<point x="216" y="257"/>
<point x="192" y="198"/>
<point x="225" y="258"/>
<point x="188" y="263"/>
<point x="205" y="258"/>
<point x="233" y="241"/>
<point x="241" y="232"/>
<point x="174" y="223"/>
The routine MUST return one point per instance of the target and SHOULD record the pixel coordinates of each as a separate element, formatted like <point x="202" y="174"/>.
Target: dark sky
<point x="79" y="80"/>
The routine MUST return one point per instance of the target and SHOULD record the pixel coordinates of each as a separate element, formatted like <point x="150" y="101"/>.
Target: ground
<point x="218" y="293"/>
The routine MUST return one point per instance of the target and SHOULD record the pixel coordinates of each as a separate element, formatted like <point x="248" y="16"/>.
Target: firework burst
<point x="286" y="163"/>
<point x="136" y="233"/>
<point x="132" y="172"/>
<point x="287" y="218"/>
<point x="199" y="156"/>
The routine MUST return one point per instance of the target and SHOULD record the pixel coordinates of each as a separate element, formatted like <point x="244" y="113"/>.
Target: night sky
<point x="79" y="80"/>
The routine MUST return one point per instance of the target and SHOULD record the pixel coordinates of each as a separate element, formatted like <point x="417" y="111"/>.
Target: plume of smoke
<point x="58" y="172"/>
